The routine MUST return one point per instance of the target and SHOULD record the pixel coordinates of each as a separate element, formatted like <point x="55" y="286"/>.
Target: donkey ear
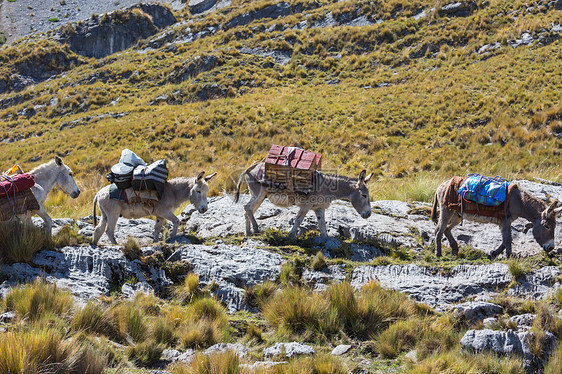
<point x="368" y="178"/>
<point x="362" y="176"/>
<point x="557" y="211"/>
<point x="528" y="226"/>
<point x="58" y="161"/>
<point x="550" y="210"/>
<point x="209" y="177"/>
<point x="200" y="176"/>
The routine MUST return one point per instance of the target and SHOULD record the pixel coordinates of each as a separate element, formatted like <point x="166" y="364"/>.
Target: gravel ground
<point x="23" y="17"/>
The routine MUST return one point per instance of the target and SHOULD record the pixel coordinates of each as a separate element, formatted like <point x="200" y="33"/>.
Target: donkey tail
<point x="94" y="211"/>
<point x="240" y="179"/>
<point x="434" y="213"/>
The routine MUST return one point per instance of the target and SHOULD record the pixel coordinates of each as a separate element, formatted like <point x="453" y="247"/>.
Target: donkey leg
<point x="440" y="229"/>
<point x="110" y="229"/>
<point x="170" y="216"/>
<point x="100" y="228"/>
<point x="250" y="209"/>
<point x="321" y="215"/>
<point x="506" y="234"/>
<point x="157" y="227"/>
<point x="452" y="242"/>
<point x="48" y="221"/>
<point x="298" y="220"/>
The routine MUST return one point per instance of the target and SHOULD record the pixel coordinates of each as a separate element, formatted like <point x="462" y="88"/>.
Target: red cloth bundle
<point x="15" y="184"/>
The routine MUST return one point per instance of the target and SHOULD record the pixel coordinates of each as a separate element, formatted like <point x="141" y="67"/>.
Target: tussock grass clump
<point x="19" y="241"/>
<point x="95" y="318"/>
<point x="318" y="364"/>
<point x="223" y="362"/>
<point x="453" y="362"/>
<point x="319" y="261"/>
<point x="39" y="299"/>
<point x="67" y="236"/>
<point x="256" y="296"/>
<point x="148" y="302"/>
<point x="146" y="353"/>
<point x="43" y="350"/>
<point x="131" y="321"/>
<point x="163" y="332"/>
<point x="132" y="250"/>
<point x="189" y="290"/>
<point x="202" y="333"/>
<point x="399" y="337"/>
<point x="297" y="310"/>
<point x="554" y="365"/>
<point x="254" y="334"/>
<point x="291" y="272"/>
<point x="515" y="268"/>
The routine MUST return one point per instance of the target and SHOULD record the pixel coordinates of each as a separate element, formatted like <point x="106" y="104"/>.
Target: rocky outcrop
<point x="230" y="268"/>
<point x="288" y="350"/>
<point x="112" y="32"/>
<point x="444" y="289"/>
<point x="281" y="9"/>
<point x="458" y="9"/>
<point x="509" y="343"/>
<point x="193" y="67"/>
<point x="87" y="272"/>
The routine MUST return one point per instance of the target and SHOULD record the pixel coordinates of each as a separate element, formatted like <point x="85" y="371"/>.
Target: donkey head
<point x="199" y="191"/>
<point x="64" y="179"/>
<point x="544" y="226"/>
<point x="359" y="198"/>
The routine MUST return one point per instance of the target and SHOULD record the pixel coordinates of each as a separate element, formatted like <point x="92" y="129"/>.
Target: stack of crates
<point x="291" y="168"/>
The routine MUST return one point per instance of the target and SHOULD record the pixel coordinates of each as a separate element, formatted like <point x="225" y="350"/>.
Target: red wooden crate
<point x="291" y="167"/>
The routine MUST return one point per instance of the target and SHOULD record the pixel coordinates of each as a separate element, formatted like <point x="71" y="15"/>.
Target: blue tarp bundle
<point x="484" y="190"/>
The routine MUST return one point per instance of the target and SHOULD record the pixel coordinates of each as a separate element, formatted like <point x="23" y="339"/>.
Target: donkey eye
<point x="547" y="227"/>
<point x="364" y="196"/>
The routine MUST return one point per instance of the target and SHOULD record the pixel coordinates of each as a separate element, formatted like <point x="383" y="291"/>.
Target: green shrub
<point x="39" y="299"/>
<point x="19" y="241"/>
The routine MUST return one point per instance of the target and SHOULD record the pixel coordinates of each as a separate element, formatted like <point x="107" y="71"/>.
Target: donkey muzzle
<point x="203" y="209"/>
<point x="548" y="246"/>
<point x="366" y="214"/>
<point x="75" y="194"/>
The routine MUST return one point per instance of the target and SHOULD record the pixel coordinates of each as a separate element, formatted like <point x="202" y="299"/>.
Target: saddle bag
<point x="122" y="173"/>
<point x="10" y="185"/>
<point x="484" y="190"/>
<point x="152" y="177"/>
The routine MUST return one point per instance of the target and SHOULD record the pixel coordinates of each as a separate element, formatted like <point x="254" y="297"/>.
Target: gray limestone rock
<point x="288" y="350"/>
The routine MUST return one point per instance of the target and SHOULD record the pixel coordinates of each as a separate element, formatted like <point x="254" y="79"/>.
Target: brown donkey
<point x="326" y="188"/>
<point x="541" y="217"/>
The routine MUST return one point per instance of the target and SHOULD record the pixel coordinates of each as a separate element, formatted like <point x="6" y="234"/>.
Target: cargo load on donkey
<point x="133" y="181"/>
<point x="291" y="168"/>
<point x="15" y="193"/>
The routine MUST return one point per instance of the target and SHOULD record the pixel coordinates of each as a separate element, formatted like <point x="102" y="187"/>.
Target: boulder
<point x="458" y="9"/>
<point x="231" y="268"/>
<point x="240" y="349"/>
<point x="288" y="350"/>
<point x="141" y="230"/>
<point x="477" y="310"/>
<point x="320" y="280"/>
<point x="491" y="323"/>
<point x="341" y="349"/>
<point x="509" y="343"/>
<point x="523" y="321"/>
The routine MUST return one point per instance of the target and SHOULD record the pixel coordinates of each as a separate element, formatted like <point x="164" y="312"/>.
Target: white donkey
<point x="326" y="188"/>
<point x="53" y="174"/>
<point x="176" y="191"/>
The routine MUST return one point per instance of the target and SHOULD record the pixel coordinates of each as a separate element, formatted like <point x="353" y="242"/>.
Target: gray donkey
<point x="541" y="217"/>
<point x="326" y="188"/>
<point x="176" y="191"/>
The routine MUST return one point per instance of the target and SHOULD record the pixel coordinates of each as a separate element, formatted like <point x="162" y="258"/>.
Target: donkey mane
<point x="38" y="169"/>
<point x="340" y="177"/>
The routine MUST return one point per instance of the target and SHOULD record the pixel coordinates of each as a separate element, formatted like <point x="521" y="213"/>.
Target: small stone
<point x="491" y="323"/>
<point x="341" y="349"/>
<point x="7" y="317"/>
<point x="288" y="350"/>
<point x="412" y="356"/>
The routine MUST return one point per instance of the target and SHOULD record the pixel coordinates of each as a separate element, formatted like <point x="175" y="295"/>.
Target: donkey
<point x="326" y="188"/>
<point x="48" y="176"/>
<point x="176" y="191"/>
<point x="541" y="217"/>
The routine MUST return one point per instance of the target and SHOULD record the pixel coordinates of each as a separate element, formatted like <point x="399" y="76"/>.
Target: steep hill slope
<point x="412" y="90"/>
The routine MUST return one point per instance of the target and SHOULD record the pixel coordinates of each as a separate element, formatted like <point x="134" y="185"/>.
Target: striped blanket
<point x="21" y="203"/>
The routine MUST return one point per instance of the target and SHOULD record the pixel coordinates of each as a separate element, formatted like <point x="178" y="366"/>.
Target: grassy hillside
<point x="413" y="99"/>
